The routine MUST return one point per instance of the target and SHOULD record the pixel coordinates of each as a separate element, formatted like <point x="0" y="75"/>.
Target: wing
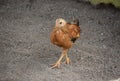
<point x="60" y="38"/>
<point x="74" y="32"/>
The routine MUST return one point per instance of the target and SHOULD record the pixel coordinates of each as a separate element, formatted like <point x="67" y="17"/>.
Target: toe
<point x="68" y="61"/>
<point x="57" y="65"/>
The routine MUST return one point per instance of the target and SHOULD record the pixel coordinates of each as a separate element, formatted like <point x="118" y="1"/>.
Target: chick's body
<point x="64" y="35"/>
<point x="60" y="38"/>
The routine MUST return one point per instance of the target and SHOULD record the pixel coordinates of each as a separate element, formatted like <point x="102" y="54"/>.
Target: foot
<point x="56" y="65"/>
<point x="68" y="61"/>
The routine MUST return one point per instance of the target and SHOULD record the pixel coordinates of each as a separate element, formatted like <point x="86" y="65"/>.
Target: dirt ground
<point x="26" y="52"/>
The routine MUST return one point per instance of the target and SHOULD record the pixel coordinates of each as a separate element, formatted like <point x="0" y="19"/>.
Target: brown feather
<point x="65" y="36"/>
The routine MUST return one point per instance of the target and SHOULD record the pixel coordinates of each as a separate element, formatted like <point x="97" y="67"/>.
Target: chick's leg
<point x="67" y="58"/>
<point x="57" y="64"/>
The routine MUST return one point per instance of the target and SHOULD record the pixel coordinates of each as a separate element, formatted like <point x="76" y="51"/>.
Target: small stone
<point x="102" y="33"/>
<point x="29" y="47"/>
<point x="104" y="46"/>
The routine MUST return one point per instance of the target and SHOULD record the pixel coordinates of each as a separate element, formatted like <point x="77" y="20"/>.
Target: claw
<point x="56" y="65"/>
<point x="68" y="61"/>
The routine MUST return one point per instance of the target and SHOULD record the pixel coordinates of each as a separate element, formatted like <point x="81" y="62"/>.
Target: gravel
<point x="26" y="52"/>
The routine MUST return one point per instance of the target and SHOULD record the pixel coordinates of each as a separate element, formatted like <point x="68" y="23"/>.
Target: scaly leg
<point x="67" y="58"/>
<point x="57" y="64"/>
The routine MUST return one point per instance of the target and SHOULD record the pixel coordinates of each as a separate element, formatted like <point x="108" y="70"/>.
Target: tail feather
<point x="75" y="21"/>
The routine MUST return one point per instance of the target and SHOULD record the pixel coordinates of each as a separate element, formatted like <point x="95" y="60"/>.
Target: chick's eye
<point x="60" y="22"/>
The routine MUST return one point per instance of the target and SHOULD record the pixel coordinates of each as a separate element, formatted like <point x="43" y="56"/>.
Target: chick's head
<point x="60" y="22"/>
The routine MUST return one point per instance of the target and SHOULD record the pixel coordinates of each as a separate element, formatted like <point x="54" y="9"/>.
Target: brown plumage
<point x="64" y="34"/>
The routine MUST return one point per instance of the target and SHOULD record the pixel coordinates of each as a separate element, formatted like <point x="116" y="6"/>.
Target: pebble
<point x="104" y="46"/>
<point x="102" y="33"/>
